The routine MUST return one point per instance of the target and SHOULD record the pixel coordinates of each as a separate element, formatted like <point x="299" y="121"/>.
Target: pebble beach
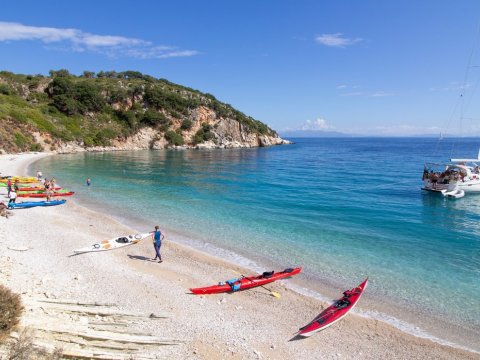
<point x="36" y="261"/>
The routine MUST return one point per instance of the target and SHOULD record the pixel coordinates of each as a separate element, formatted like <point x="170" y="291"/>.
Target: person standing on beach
<point x="48" y="190"/>
<point x="12" y="196"/>
<point x="89" y="182"/>
<point x="9" y="187"/>
<point x="157" y="243"/>
<point x="39" y="175"/>
<point x="16" y="185"/>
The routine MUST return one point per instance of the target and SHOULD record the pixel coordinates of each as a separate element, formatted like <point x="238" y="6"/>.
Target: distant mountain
<point x="312" y="133"/>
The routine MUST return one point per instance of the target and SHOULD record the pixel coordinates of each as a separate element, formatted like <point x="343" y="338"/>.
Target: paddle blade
<point x="275" y="294"/>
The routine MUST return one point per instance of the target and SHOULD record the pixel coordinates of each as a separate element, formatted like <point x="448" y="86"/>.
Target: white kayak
<point x="115" y="243"/>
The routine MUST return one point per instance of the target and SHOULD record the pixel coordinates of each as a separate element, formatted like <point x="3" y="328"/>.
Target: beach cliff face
<point x="228" y="133"/>
<point x="118" y="111"/>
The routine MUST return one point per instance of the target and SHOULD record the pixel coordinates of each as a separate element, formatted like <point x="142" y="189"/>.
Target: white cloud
<point x="380" y="94"/>
<point x="355" y="93"/>
<point x="82" y="41"/>
<point x="335" y="40"/>
<point x="453" y="86"/>
<point x="318" y="124"/>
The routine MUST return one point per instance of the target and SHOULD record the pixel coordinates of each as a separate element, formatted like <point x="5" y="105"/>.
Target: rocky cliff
<point x="118" y="111"/>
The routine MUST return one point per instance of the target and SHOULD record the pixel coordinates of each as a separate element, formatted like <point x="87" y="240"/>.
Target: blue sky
<point x="360" y="67"/>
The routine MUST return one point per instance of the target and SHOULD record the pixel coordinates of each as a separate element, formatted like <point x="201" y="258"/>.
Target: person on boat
<point x="12" y="196"/>
<point x="157" y="243"/>
<point x="434" y="179"/>
<point x="425" y="174"/>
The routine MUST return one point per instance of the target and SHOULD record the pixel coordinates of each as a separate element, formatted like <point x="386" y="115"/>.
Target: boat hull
<point x="246" y="282"/>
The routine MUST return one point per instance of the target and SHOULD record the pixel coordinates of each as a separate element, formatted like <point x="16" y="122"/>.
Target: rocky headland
<point x="118" y="111"/>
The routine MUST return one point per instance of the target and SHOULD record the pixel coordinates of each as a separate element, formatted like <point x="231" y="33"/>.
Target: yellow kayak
<point x="21" y="179"/>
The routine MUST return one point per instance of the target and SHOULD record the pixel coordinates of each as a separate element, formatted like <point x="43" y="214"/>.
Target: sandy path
<point x="244" y="325"/>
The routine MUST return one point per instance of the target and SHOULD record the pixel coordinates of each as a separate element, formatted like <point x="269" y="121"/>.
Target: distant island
<point x="312" y="134"/>
<point x="337" y="134"/>
<point x="112" y="110"/>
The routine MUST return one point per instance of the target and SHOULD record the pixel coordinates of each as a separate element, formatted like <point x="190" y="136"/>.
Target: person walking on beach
<point x="157" y="243"/>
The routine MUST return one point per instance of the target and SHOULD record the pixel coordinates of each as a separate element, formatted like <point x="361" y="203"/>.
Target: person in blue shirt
<point x="157" y="243"/>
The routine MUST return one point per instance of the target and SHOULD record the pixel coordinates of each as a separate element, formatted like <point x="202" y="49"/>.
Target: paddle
<point x="273" y="293"/>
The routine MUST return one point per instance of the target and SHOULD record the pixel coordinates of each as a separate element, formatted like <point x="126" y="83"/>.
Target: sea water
<point x="342" y="208"/>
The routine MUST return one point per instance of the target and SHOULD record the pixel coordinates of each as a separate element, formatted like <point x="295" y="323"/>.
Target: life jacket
<point x="234" y="284"/>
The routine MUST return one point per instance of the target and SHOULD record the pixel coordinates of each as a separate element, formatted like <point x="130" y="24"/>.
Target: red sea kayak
<point x="37" y="188"/>
<point x="246" y="282"/>
<point x="42" y="194"/>
<point x="335" y="312"/>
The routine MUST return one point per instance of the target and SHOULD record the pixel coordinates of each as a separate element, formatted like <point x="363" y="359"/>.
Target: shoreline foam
<point x="308" y="309"/>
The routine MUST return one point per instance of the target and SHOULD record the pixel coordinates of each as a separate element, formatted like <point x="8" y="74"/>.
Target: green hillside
<point x="94" y="109"/>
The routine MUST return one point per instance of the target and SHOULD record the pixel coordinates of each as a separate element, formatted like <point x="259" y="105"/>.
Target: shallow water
<point x="341" y="208"/>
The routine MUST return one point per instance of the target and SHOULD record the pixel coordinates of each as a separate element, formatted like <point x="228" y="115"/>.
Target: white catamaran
<point x="454" y="179"/>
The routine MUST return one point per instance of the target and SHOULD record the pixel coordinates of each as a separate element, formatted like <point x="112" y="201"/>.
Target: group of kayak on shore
<point x="30" y="187"/>
<point x="47" y="187"/>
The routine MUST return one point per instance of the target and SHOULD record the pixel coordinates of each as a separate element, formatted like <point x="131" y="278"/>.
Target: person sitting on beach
<point x="157" y="243"/>
<point x="3" y="210"/>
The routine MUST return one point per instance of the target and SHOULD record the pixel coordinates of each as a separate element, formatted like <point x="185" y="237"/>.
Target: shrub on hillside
<point x="169" y="101"/>
<point x="204" y="134"/>
<point x="186" y="124"/>
<point x="73" y="98"/>
<point x="174" y="138"/>
<point x="153" y="118"/>
<point x="6" y="89"/>
<point x="10" y="310"/>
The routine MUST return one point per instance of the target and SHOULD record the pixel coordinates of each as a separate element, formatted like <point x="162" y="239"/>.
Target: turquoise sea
<point x="343" y="208"/>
